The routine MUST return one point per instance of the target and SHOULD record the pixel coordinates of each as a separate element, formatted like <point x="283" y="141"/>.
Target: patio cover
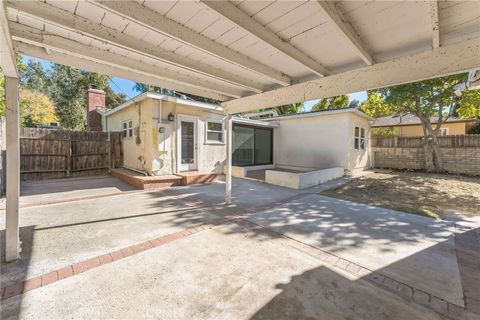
<point x="248" y="54"/>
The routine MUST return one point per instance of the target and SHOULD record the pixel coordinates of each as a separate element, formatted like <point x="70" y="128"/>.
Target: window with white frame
<point x="444" y="131"/>
<point x="214" y="132"/>
<point x="127" y="129"/>
<point x="359" y="140"/>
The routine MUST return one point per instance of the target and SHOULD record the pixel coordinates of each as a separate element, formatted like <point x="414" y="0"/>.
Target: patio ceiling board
<point x="458" y="20"/>
<point x="110" y="70"/>
<point x="72" y="22"/>
<point x="173" y="29"/>
<point x="199" y="48"/>
<point x="106" y="55"/>
<point x="390" y="29"/>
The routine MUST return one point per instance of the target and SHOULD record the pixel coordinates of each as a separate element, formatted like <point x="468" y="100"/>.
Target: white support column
<point x="228" y="177"/>
<point x="12" y="241"/>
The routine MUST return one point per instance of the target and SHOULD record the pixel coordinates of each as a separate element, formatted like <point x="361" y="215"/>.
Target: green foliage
<point x="21" y="67"/>
<point x="375" y="106"/>
<point x="68" y="94"/>
<point x="385" y="132"/>
<point x="468" y="105"/>
<point x="35" y="77"/>
<point x="338" y="102"/>
<point x="36" y="108"/>
<point x="290" y="108"/>
<point x="424" y="98"/>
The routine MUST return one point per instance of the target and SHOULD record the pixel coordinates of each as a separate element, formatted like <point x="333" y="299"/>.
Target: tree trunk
<point x="433" y="159"/>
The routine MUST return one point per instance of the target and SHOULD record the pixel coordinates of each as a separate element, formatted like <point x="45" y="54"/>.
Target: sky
<point x="120" y="85"/>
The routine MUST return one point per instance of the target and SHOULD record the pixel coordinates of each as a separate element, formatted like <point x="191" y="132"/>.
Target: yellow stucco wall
<point x="413" y="131"/>
<point x="320" y="142"/>
<point x="157" y="152"/>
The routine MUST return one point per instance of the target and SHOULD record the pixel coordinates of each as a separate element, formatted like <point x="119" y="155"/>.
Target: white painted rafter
<point x="8" y="61"/>
<point x="243" y="20"/>
<point x="142" y="15"/>
<point x="451" y="59"/>
<point x="93" y="66"/>
<point x="435" y="24"/>
<point x="54" y="42"/>
<point x="74" y="23"/>
<point x="344" y="28"/>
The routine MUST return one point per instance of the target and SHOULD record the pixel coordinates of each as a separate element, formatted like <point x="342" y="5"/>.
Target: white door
<point x="187" y="143"/>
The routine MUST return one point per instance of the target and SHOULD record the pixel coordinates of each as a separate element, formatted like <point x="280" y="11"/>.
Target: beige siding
<point x="320" y="142"/>
<point x="157" y="152"/>
<point x="415" y="131"/>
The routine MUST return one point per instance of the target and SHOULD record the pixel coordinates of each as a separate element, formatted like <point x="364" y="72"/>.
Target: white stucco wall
<point x="321" y="141"/>
<point x="157" y="154"/>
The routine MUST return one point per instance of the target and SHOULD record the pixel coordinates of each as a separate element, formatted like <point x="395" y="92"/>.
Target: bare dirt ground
<point x="427" y="194"/>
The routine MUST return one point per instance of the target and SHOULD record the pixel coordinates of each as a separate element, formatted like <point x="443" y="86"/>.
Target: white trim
<point x="321" y="113"/>
<point x="187" y="118"/>
<point x="222" y="131"/>
<point x="258" y="123"/>
<point x="157" y="96"/>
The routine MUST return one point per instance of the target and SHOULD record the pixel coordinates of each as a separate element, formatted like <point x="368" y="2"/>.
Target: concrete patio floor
<point x="235" y="269"/>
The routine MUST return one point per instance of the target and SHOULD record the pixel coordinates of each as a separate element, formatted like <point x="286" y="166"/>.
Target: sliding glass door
<point x="252" y="146"/>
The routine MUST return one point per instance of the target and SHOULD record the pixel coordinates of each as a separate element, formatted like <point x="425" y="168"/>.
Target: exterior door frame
<point x="194" y="166"/>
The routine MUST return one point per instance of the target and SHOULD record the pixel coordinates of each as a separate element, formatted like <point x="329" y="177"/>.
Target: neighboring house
<point x="95" y="109"/>
<point x="409" y="125"/>
<point x="165" y="135"/>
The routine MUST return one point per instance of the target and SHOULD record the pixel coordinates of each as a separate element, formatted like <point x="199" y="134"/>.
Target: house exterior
<point x="303" y="142"/>
<point x="163" y="135"/>
<point x="408" y="125"/>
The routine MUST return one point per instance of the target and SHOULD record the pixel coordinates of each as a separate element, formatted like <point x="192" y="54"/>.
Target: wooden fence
<point x="47" y="153"/>
<point x="453" y="141"/>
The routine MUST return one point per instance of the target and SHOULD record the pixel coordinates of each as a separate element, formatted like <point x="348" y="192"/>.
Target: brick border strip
<point x="82" y="266"/>
<point x="439" y="305"/>
<point x="418" y="296"/>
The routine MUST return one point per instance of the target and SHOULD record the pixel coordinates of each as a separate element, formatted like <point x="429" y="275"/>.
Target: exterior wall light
<point x="171" y="117"/>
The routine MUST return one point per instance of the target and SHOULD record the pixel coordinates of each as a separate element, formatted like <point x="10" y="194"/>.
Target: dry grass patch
<point x="426" y="194"/>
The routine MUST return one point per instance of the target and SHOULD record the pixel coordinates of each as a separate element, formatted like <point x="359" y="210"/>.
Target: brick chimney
<point x="95" y="103"/>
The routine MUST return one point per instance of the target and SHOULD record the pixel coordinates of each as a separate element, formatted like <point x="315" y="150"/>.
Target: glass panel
<point x="188" y="141"/>
<point x="214" y="136"/>
<point x="130" y="124"/>
<point x="263" y="146"/>
<point x="356" y="143"/>
<point x="124" y="125"/>
<point x="362" y="143"/>
<point x="356" y="131"/>
<point x="214" y="126"/>
<point x="362" y="133"/>
<point x="243" y="144"/>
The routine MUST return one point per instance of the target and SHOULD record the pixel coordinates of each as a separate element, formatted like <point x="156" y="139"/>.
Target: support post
<point x="228" y="178"/>
<point x="12" y="239"/>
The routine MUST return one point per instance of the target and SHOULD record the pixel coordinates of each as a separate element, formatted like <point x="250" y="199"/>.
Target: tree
<point x="290" y="108"/>
<point x="468" y="105"/>
<point x="68" y="95"/>
<point x="425" y="99"/>
<point x="375" y="106"/>
<point x="354" y="103"/>
<point x="36" y="108"/>
<point x="338" y="102"/>
<point x="35" y="77"/>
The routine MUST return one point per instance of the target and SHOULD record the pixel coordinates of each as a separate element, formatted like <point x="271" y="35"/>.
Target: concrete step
<point x="146" y="182"/>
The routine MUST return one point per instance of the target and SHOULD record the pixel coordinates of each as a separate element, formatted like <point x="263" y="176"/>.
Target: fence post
<point x="109" y="150"/>
<point x="69" y="156"/>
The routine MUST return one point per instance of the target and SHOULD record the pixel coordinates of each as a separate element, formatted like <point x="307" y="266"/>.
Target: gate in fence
<point x="47" y="153"/>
